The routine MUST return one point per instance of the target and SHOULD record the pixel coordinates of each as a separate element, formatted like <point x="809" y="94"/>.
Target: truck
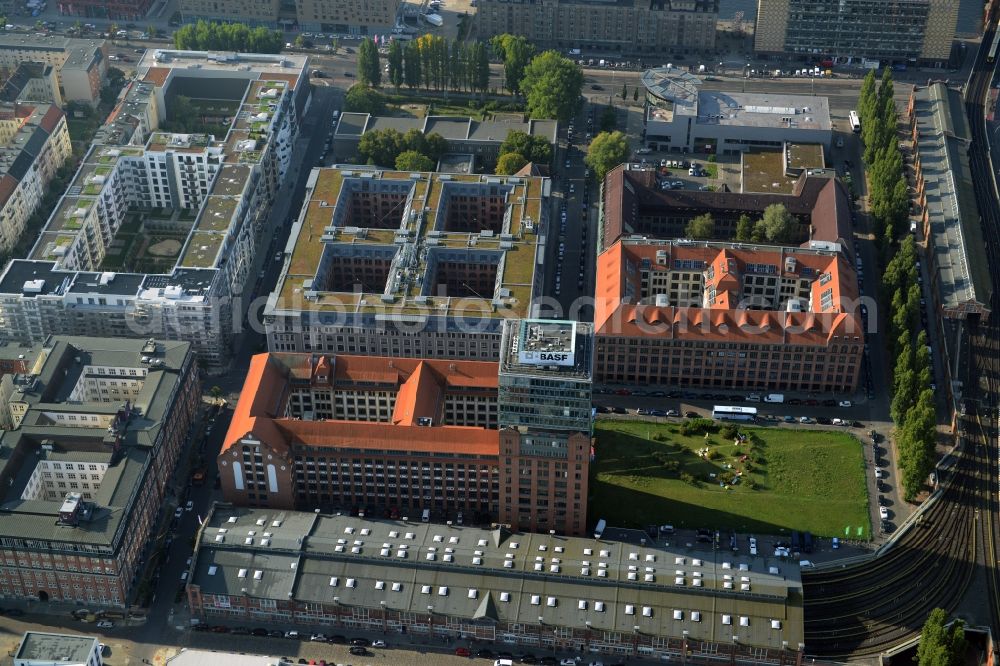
<point x="774" y="397"/>
<point x="434" y="19"/>
<point x="574" y="51"/>
<point x="599" y="528"/>
<point x="701" y="69"/>
<point x="870" y="64"/>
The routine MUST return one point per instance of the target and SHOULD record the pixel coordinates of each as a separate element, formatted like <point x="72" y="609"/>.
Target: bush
<point x="714" y="455"/>
<point x="729" y="431"/>
<point x="688" y="478"/>
<point x="698" y="426"/>
<point x="711" y="158"/>
<point x="749" y="483"/>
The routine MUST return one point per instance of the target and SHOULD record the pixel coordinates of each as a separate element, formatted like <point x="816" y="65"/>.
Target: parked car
<point x="358" y="651"/>
<point x="753" y="546"/>
<point x="463" y="652"/>
<point x="845" y="403"/>
<point x="105" y="624"/>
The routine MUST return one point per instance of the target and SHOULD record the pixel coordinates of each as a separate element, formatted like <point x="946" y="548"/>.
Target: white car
<point x="568" y="662"/>
<point x="883" y="513"/>
<point x="105" y="624"/>
<point x="179" y="512"/>
<point x="380" y="644"/>
<point x="845" y="403"/>
<point x="878" y="473"/>
<point x="643" y="151"/>
<point x="753" y="546"/>
<point x="781" y="551"/>
<point x="189" y="505"/>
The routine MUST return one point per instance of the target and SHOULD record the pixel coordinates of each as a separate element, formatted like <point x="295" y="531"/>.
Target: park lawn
<point x="809" y="480"/>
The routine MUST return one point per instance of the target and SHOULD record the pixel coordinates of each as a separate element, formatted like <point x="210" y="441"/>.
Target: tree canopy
<point x="533" y="148"/>
<point x="778" y="224"/>
<point x="700" y="228"/>
<point x="509" y="163"/>
<point x="941" y="645"/>
<point x="552" y="85"/>
<point x="396" y="63"/>
<point x="384" y="148"/>
<point x="411" y="160"/>
<point x="515" y="52"/>
<point x="607" y="150"/>
<point x="369" y="66"/>
<point x="362" y="99"/>
<point x="213" y="36"/>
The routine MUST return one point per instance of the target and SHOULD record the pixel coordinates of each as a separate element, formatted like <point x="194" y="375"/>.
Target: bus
<point x="855" y="122"/>
<point x="991" y="56"/>
<point x="727" y="413"/>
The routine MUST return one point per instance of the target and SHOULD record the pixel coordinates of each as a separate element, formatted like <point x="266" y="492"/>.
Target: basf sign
<point x="534" y="357"/>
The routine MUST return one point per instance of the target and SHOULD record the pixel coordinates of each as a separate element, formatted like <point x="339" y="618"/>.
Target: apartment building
<point x="899" y="31"/>
<point x="81" y="64"/>
<point x="418" y="265"/>
<point x="32" y="82"/>
<point x="400" y="436"/>
<point x="681" y="117"/>
<point x="34" y="144"/>
<point x="496" y="587"/>
<point x="336" y="16"/>
<point x="84" y="474"/>
<point x="619" y="26"/>
<point x="96" y="270"/>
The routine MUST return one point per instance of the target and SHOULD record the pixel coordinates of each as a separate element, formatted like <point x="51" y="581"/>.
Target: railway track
<point x="865" y="609"/>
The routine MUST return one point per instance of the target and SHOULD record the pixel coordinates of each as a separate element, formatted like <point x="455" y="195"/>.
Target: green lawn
<point x="804" y="480"/>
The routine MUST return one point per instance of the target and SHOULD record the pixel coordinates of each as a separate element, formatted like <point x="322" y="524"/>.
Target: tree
<point x="744" y="229"/>
<point x="411" y="160"/>
<point x="941" y="645"/>
<point x="552" y="85"/>
<point x="112" y="28"/>
<point x="509" y="163"/>
<point x="435" y="146"/>
<point x="480" y="64"/>
<point x="302" y="42"/>
<point x="635" y="94"/>
<point x="362" y="99"/>
<point x="381" y="147"/>
<point x="533" y="148"/>
<point x="396" y="64"/>
<point x="411" y="65"/>
<point x="624" y="92"/>
<point x="700" y="228"/>
<point x="867" y="98"/>
<point x="779" y="225"/>
<point x="216" y="392"/>
<point x="607" y="150"/>
<point x="369" y="68"/>
<point x="516" y="53"/>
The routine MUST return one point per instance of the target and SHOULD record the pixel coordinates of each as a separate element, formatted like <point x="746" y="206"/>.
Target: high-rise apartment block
<point x="85" y="471"/>
<point x="897" y="31"/>
<point x="157" y="233"/>
<point x="619" y="26"/>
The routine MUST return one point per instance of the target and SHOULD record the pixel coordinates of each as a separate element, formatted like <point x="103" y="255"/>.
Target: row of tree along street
<point x="913" y="409"/>
<point x="550" y="84"/>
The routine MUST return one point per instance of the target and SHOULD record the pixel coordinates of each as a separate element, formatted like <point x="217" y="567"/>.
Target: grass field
<point x="803" y="479"/>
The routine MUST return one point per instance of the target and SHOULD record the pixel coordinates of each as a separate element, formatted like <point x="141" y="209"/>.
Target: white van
<point x="753" y="397"/>
<point x="427" y="516"/>
<point x="503" y="662"/>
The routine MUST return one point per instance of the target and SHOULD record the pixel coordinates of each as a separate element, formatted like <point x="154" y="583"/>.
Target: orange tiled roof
<point x="157" y="75"/>
<point x="421" y="382"/>
<point x="618" y="290"/>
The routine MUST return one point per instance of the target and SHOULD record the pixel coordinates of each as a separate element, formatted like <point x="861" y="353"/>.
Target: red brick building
<point x="392" y="436"/>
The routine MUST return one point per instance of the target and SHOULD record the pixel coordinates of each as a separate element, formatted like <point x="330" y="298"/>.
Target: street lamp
<point x="635" y="639"/>
<point x="684" y="646"/>
<point x="336" y="602"/>
<point x="430" y="620"/>
<point x="384" y="619"/>
<point x="732" y="653"/>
